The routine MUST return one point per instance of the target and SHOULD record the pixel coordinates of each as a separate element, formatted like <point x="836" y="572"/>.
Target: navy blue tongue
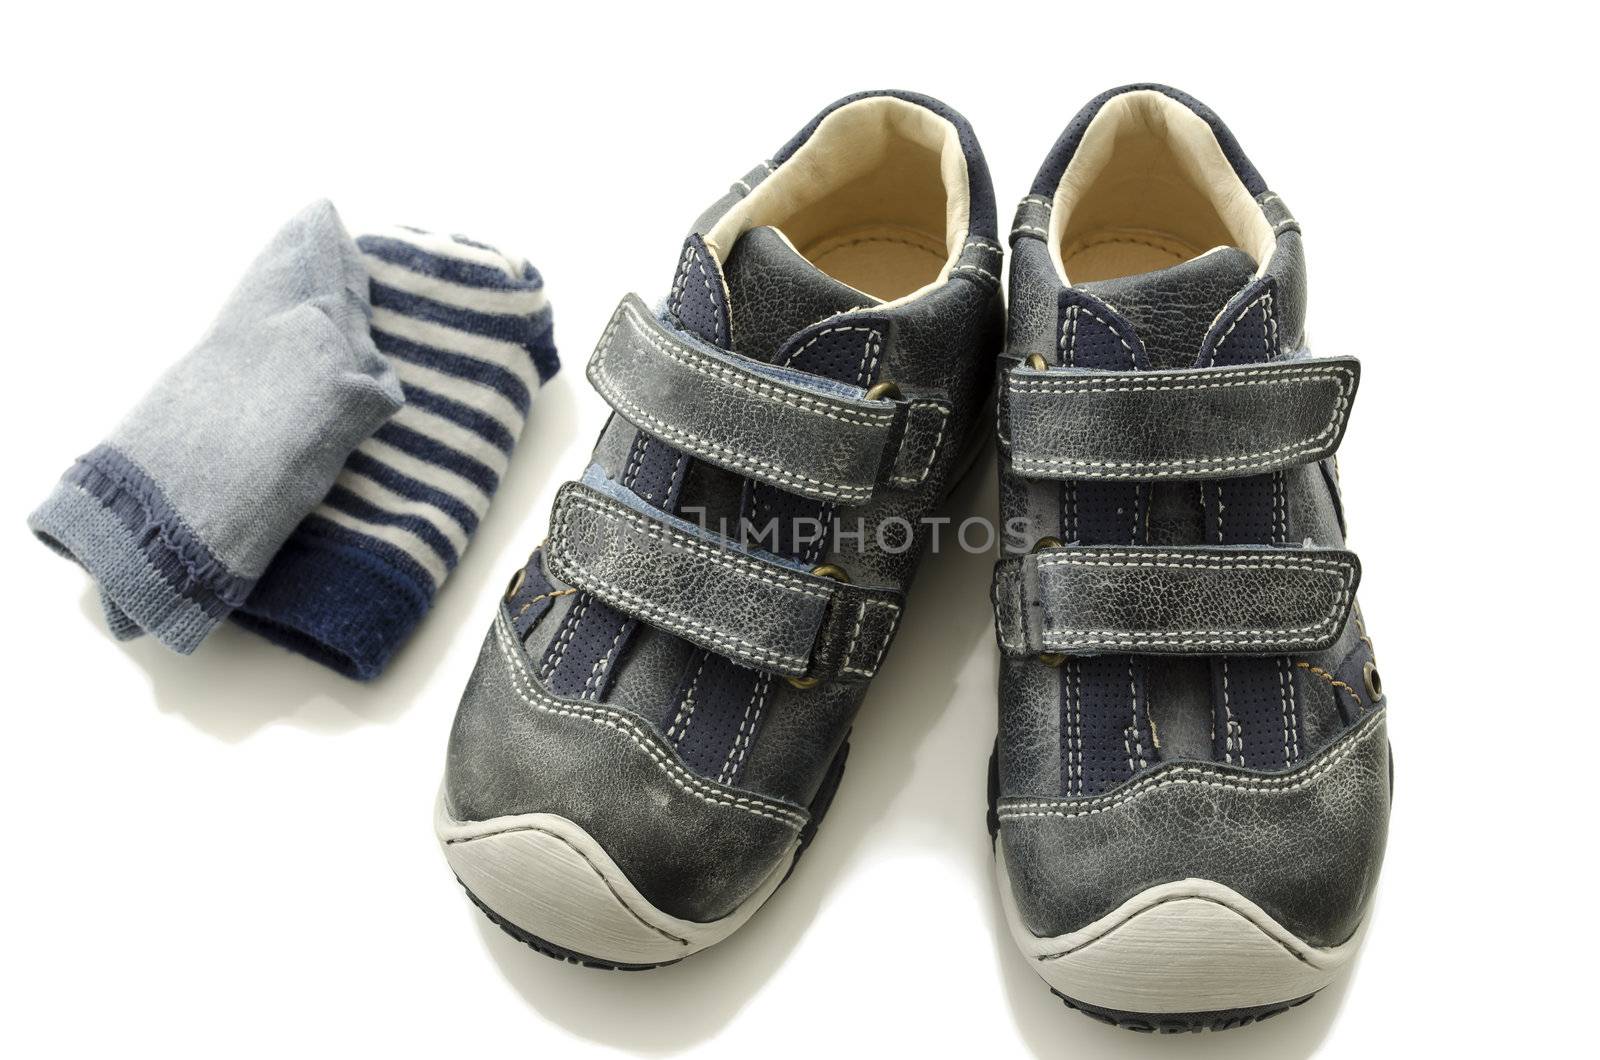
<point x="774" y="292"/>
<point x="1171" y="309"/>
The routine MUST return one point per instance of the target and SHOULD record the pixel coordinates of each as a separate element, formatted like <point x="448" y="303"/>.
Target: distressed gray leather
<point x="758" y="611"/>
<point x="1081" y="600"/>
<point x="514" y="749"/>
<point x="1199" y="423"/>
<point x="1304" y="840"/>
<point x="611" y="758"/>
<point x="1305" y="845"/>
<point x="749" y="417"/>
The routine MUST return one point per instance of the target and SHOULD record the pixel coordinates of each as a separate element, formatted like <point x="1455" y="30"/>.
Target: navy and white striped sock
<point x="468" y="331"/>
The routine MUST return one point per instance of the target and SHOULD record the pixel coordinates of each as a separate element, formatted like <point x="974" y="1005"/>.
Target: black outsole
<point x="818" y="809"/>
<point x="550" y="949"/>
<point x="1182" y="1022"/>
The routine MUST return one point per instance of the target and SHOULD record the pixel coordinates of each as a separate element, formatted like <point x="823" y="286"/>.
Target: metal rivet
<point x="516" y="582"/>
<point x="1038" y="363"/>
<point x="887" y="390"/>
<point x="838" y="574"/>
<point x="1049" y="658"/>
<point x="1374" y="683"/>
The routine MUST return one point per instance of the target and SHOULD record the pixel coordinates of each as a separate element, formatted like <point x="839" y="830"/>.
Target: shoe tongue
<point x="1171" y="309"/>
<point x="773" y="292"/>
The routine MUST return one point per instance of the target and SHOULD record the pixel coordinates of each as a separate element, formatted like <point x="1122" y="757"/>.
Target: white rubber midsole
<point x="550" y="878"/>
<point x="1188" y="946"/>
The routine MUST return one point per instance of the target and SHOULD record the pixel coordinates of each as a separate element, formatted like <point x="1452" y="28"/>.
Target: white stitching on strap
<point x="847" y="664"/>
<point x="771" y="574"/>
<point x="1055" y="639"/>
<point x="1342" y="377"/>
<point x="701" y="364"/>
<point x="728" y="455"/>
<point x="562" y="554"/>
<point x="933" y="450"/>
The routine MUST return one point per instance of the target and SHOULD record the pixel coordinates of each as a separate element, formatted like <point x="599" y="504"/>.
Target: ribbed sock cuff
<point x="333" y="597"/>
<point x="153" y="575"/>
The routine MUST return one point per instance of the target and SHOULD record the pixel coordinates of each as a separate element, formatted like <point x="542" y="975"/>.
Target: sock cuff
<point x="340" y="598"/>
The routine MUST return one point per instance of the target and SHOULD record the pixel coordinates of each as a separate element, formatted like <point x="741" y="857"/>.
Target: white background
<point x="231" y="853"/>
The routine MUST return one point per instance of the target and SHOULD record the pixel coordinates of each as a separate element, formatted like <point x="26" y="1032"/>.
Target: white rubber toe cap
<point x="1187" y="946"/>
<point x="547" y="876"/>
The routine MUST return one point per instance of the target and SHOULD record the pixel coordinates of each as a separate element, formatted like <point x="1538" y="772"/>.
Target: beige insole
<point x="1109" y="253"/>
<point x="884" y="261"/>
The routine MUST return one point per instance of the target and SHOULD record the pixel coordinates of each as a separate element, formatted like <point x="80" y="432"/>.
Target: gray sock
<point x="179" y="511"/>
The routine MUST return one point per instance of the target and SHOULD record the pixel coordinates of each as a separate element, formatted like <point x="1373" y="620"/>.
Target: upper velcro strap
<point x="799" y="432"/>
<point x="1200" y="423"/>
<point x="749" y="607"/>
<point x="1078" y="600"/>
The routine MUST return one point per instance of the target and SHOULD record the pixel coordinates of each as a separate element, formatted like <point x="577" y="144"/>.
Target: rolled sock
<point x="468" y="331"/>
<point x="181" y="509"/>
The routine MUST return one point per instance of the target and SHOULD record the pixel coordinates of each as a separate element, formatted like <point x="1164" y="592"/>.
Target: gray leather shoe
<point x="659" y="716"/>
<point x="1191" y="787"/>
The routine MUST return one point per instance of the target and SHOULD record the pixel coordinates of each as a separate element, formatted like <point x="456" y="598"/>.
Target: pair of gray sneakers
<point x="1189" y="792"/>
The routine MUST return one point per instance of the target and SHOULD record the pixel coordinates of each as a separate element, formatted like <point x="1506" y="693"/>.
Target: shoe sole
<point x="1183" y="956"/>
<point x="547" y="883"/>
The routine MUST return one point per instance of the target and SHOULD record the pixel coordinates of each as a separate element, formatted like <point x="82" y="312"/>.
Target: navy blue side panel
<point x="1055" y="163"/>
<point x="534" y="597"/>
<point x="982" y="220"/>
<point x="1105" y="717"/>
<point x="582" y="657"/>
<point x="729" y="701"/>
<point x="1256" y="720"/>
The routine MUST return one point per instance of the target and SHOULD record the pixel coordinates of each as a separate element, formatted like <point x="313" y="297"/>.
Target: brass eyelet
<point x="888" y="390"/>
<point x="1038" y="363"/>
<point x="1374" y="683"/>
<point x="838" y="574"/>
<point x="516" y="582"/>
<point x="1049" y="658"/>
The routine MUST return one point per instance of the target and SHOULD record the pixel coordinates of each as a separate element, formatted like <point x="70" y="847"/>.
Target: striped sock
<point x="468" y="332"/>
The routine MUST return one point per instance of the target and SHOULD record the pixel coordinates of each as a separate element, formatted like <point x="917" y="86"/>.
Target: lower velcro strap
<point x="752" y="608"/>
<point x="1077" y="600"/>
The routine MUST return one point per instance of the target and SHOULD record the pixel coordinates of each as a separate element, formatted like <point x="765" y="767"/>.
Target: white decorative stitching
<point x="1074" y="730"/>
<point x="1290" y="740"/>
<point x="569" y="626"/>
<point x="562" y="556"/>
<point x="1343" y="378"/>
<point x="612" y="719"/>
<point x="933" y="450"/>
<point x="769" y="573"/>
<point x="847" y="664"/>
<point x="685" y="715"/>
<point x="702" y="364"/>
<point x="716" y="299"/>
<point x="591" y="685"/>
<point x="1231" y="727"/>
<point x="985" y="273"/>
<point x="727" y="454"/>
<point x="747" y="729"/>
<point x="1067" y="637"/>
<point x="1182" y="776"/>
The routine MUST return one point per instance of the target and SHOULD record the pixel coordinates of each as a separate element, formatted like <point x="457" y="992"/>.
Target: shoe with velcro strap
<point x="1190" y="790"/>
<point x="659" y="716"/>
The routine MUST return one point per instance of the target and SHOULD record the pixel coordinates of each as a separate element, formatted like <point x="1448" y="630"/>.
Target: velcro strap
<point x="1201" y="423"/>
<point x="1078" y="600"/>
<point x="796" y="431"/>
<point x="704" y="588"/>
